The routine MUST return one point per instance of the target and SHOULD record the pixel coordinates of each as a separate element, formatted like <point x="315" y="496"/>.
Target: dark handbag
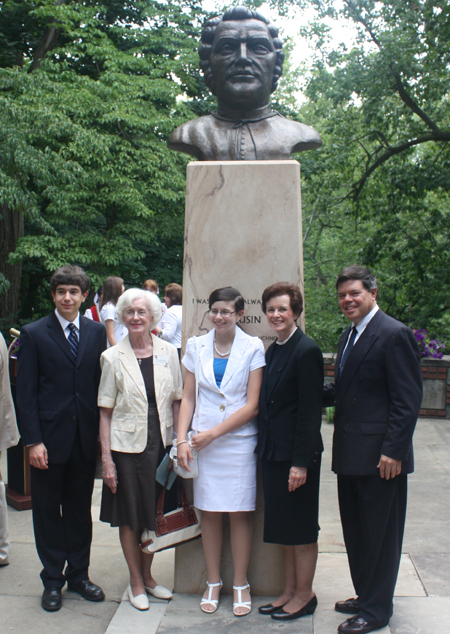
<point x="174" y="528"/>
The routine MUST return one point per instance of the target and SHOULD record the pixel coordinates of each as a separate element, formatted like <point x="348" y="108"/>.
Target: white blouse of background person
<point x="109" y="312"/>
<point x="171" y="325"/>
<point x="217" y="404"/>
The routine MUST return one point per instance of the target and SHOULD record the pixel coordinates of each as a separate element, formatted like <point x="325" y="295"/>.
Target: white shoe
<point x="140" y="602"/>
<point x="240" y="603"/>
<point x="209" y="599"/>
<point x="159" y="592"/>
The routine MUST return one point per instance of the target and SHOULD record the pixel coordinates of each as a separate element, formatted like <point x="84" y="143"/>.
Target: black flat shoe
<point x="309" y="608"/>
<point x="269" y="609"/>
<point x="51" y="599"/>
<point x="88" y="590"/>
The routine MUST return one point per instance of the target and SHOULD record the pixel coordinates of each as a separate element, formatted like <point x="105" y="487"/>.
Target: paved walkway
<point x="422" y="603"/>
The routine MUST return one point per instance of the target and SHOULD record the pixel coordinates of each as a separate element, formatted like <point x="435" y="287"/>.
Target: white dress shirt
<point x="360" y="328"/>
<point x="65" y="324"/>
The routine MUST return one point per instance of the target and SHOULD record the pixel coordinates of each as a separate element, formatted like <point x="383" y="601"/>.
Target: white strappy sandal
<point x="240" y="603"/>
<point x="209" y="599"/>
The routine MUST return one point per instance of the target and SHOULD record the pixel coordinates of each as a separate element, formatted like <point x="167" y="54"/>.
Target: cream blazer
<point x="214" y="404"/>
<point x="122" y="388"/>
<point x="9" y="435"/>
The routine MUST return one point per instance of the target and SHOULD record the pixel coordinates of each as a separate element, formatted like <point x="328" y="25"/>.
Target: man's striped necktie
<point x="73" y="339"/>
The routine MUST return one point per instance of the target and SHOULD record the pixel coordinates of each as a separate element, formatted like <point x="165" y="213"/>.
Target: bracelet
<point x="180" y="442"/>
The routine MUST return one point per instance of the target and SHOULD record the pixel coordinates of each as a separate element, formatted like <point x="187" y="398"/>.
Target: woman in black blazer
<point x="290" y="447"/>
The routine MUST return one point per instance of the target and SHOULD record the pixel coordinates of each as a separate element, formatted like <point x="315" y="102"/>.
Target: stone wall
<point x="436" y="385"/>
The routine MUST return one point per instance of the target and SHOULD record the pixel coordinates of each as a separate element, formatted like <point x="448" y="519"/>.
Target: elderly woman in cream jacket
<point x="139" y="400"/>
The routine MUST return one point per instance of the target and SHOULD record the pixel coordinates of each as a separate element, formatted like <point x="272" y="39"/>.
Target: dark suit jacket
<point x="290" y="403"/>
<point x="56" y="392"/>
<point x="377" y="398"/>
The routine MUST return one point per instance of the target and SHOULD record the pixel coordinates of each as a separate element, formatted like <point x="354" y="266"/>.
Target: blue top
<point x="220" y="365"/>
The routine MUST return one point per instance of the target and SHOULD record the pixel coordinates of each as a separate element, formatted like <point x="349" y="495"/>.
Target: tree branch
<point x="47" y="42"/>
<point x="404" y="95"/>
<point x="393" y="151"/>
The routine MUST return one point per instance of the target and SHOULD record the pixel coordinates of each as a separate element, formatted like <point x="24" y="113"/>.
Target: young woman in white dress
<point x="112" y="289"/>
<point x="230" y="370"/>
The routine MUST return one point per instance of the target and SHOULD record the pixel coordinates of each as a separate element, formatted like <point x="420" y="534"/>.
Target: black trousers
<point x="61" y="497"/>
<point x="373" y="514"/>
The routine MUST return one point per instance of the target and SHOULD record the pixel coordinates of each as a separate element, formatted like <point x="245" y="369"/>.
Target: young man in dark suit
<point x="57" y="384"/>
<point x="377" y="393"/>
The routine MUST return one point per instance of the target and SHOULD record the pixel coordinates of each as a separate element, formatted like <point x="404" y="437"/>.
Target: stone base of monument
<point x="243" y="229"/>
<point x="265" y="573"/>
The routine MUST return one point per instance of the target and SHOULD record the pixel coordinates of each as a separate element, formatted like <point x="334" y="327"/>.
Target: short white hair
<point x="151" y="300"/>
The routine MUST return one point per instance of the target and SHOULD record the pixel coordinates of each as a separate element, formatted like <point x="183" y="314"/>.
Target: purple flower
<point x="428" y="347"/>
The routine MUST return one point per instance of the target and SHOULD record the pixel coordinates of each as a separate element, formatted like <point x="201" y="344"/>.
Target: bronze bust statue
<point x="241" y="57"/>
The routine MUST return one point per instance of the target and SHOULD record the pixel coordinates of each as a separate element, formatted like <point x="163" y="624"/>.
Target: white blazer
<point x="122" y="387"/>
<point x="215" y="404"/>
<point x="9" y="434"/>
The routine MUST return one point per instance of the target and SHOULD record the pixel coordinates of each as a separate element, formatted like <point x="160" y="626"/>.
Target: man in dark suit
<point x="57" y="384"/>
<point x="377" y="393"/>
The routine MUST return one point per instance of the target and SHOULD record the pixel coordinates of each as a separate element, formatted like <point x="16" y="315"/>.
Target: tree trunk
<point x="11" y="229"/>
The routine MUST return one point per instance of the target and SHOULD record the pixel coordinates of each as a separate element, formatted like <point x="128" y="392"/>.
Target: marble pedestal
<point x="243" y="229"/>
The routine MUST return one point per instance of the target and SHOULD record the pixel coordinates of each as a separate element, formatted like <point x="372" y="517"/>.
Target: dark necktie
<point x="73" y="339"/>
<point x="347" y="350"/>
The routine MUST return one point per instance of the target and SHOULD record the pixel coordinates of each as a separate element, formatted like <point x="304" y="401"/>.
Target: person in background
<point x="230" y="370"/>
<point x="112" y="290"/>
<point x="139" y="400"/>
<point x="58" y="373"/>
<point x="152" y="286"/>
<point x="9" y="437"/>
<point x="172" y="319"/>
<point x="94" y="311"/>
<point x="290" y="447"/>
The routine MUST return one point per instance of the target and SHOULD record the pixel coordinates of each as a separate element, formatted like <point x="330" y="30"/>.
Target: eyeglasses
<point x="224" y="313"/>
<point x="131" y="313"/>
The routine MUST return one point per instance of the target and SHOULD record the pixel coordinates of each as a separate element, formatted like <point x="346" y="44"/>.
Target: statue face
<point x="242" y="61"/>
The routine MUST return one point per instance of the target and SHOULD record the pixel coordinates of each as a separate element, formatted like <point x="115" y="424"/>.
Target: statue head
<point x="241" y="57"/>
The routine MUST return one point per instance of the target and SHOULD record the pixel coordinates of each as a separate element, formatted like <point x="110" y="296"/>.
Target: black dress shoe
<point x="88" y="590"/>
<point x="358" y="625"/>
<point x="350" y="606"/>
<point x="51" y="599"/>
<point x="309" y="608"/>
<point x="269" y="608"/>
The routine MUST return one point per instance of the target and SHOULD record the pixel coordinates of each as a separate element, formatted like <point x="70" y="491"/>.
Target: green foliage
<point x="83" y="132"/>
<point x="377" y="192"/>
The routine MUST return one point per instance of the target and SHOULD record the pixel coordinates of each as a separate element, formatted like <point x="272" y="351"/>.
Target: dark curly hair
<point x="237" y="13"/>
<point x="72" y="276"/>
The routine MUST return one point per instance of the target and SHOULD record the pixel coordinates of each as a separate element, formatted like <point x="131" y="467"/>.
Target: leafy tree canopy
<point x="377" y="192"/>
<point x="89" y="92"/>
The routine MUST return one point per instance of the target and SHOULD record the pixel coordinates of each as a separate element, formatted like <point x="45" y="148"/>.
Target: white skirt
<point x="226" y="480"/>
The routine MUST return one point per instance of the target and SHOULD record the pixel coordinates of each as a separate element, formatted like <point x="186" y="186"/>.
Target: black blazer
<point x="56" y="392"/>
<point x="290" y="403"/>
<point x="377" y="398"/>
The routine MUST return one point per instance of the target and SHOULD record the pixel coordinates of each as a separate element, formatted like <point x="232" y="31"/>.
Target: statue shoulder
<point x="188" y="136"/>
<point x="299" y="136"/>
<point x="303" y="137"/>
